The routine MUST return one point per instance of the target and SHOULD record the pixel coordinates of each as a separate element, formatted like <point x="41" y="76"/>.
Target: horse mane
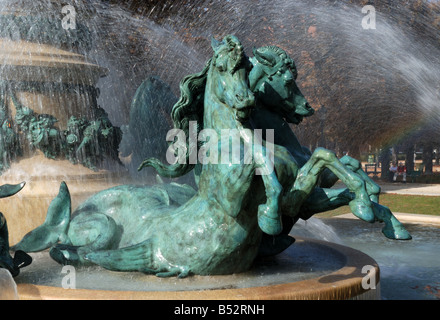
<point x="188" y="108"/>
<point x="284" y="56"/>
<point x="239" y="56"/>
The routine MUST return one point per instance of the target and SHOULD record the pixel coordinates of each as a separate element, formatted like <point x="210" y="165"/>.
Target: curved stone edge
<point x="343" y="284"/>
<point x="8" y="288"/>
<point x="404" y="217"/>
<point x="417" y="218"/>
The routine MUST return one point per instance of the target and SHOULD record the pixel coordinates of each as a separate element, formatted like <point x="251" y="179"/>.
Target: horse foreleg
<point x="328" y="178"/>
<point x="323" y="199"/>
<point x="393" y="228"/>
<point x="269" y="216"/>
<point x="308" y="177"/>
<point x="328" y="199"/>
<point x="373" y="189"/>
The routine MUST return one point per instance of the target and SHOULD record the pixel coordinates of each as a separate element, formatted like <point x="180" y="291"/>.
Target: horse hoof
<point x="362" y="210"/>
<point x="267" y="224"/>
<point x="396" y="233"/>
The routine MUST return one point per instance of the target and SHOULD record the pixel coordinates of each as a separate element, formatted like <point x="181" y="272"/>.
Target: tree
<point x="360" y="77"/>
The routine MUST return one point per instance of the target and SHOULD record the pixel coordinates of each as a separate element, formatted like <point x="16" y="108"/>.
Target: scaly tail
<point x="54" y="228"/>
<point x="172" y="171"/>
<point x="138" y="257"/>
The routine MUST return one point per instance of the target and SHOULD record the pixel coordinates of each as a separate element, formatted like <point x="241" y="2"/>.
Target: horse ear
<point x="215" y="43"/>
<point x="266" y="60"/>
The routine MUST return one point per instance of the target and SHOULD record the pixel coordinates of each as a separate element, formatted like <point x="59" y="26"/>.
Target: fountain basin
<point x="27" y="61"/>
<point x="8" y="288"/>
<point x="309" y="269"/>
<point x="27" y="210"/>
<point x="49" y="80"/>
<point x="410" y="270"/>
<point x="61" y="84"/>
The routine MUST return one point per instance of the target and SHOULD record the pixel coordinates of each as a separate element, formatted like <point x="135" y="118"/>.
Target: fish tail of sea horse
<point x="54" y="229"/>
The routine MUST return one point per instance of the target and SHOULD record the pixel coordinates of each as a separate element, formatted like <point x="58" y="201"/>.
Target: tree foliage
<point x="370" y="88"/>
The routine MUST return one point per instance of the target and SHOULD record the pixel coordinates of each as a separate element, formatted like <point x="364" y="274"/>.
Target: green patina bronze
<point x="20" y="259"/>
<point x="172" y="229"/>
<point x="9" y="148"/>
<point x="279" y="102"/>
<point x="149" y="123"/>
<point x="87" y="142"/>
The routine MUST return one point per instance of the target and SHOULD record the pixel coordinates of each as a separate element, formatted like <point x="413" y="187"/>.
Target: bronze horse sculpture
<point x="131" y="228"/>
<point x="171" y="229"/>
<point x="279" y="102"/>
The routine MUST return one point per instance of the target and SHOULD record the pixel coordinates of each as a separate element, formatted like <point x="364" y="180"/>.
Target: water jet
<point x="346" y="270"/>
<point x="49" y="104"/>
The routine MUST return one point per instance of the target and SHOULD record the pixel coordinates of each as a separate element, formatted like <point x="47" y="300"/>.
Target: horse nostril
<point x="309" y="107"/>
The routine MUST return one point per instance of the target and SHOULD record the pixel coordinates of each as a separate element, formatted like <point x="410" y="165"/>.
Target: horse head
<point x="223" y="81"/>
<point x="273" y="80"/>
<point x="230" y="77"/>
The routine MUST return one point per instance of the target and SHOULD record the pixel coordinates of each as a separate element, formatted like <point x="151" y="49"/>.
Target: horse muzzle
<point x="243" y="114"/>
<point x="244" y="106"/>
<point x="305" y="110"/>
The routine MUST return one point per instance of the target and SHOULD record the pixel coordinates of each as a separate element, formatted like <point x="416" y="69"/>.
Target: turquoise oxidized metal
<point x="241" y="209"/>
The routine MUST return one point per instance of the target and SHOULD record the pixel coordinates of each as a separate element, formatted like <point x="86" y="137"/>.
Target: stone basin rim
<point x="344" y="283"/>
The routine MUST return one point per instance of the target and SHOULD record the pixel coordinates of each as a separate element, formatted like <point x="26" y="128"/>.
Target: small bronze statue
<point x="20" y="259"/>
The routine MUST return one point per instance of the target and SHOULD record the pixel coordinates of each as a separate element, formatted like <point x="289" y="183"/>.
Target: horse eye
<point x="289" y="80"/>
<point x="220" y="65"/>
